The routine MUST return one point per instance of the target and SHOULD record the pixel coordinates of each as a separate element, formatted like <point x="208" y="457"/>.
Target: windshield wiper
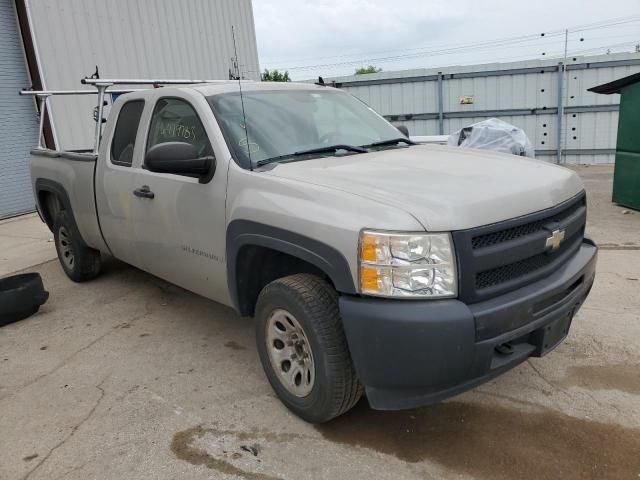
<point x="334" y="148"/>
<point x="329" y="149"/>
<point x="393" y="141"/>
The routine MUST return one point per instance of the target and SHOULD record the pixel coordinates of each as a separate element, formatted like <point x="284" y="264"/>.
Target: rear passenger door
<point x="180" y="232"/>
<point x="115" y="181"/>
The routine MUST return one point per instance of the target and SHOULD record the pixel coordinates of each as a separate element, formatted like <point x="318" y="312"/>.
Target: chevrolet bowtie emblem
<point x="554" y="241"/>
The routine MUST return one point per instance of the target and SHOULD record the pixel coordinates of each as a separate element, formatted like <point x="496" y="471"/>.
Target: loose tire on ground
<point x="307" y="309"/>
<point x="79" y="262"/>
<point x="21" y="296"/>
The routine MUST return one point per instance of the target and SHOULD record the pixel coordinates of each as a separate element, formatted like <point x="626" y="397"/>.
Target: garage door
<point x="18" y="122"/>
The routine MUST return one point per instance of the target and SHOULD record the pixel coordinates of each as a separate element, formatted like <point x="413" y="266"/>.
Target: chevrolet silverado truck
<point x="373" y="265"/>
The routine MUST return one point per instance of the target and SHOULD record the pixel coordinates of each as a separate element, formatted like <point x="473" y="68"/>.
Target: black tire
<point x="20" y="297"/>
<point x="80" y="262"/>
<point x="314" y="304"/>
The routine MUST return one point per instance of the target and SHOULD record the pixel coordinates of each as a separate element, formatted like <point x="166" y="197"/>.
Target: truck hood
<point x="444" y="188"/>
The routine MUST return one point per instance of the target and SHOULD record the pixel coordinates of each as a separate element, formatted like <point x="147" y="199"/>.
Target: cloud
<point x="309" y="30"/>
<point x="294" y="33"/>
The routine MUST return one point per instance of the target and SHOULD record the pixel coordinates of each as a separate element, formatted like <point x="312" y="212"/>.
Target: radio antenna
<point x="244" y="117"/>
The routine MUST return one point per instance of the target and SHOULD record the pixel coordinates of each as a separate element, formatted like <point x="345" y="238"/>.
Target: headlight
<point x="407" y="265"/>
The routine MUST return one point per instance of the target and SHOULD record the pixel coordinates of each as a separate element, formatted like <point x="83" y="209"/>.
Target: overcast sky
<point x="322" y="33"/>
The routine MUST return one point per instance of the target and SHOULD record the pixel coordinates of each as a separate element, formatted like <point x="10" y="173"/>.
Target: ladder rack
<point x="140" y="81"/>
<point x="101" y="86"/>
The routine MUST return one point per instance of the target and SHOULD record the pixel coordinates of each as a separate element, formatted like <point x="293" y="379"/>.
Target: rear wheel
<point x="79" y="262"/>
<point x="303" y="348"/>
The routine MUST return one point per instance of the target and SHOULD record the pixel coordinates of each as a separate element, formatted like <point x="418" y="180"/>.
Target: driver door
<point x="180" y="223"/>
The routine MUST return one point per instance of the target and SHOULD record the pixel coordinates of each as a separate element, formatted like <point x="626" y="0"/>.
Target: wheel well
<point x="258" y="266"/>
<point x="50" y="205"/>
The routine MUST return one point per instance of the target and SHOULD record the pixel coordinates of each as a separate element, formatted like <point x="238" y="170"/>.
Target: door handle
<point x="144" y="192"/>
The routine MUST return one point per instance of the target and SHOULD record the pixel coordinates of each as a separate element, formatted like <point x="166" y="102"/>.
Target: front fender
<point x="241" y="233"/>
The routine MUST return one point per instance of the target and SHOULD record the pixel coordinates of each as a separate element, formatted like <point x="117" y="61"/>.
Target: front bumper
<point x="414" y="353"/>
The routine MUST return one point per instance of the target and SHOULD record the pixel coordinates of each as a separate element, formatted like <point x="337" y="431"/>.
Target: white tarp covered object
<point x="494" y="134"/>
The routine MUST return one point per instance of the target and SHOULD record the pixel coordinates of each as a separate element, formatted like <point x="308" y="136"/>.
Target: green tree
<point x="369" y="69"/>
<point x="275" y="76"/>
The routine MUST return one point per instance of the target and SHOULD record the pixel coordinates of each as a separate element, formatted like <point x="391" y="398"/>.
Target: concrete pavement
<point x="24" y="241"/>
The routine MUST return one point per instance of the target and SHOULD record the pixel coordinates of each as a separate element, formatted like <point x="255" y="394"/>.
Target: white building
<point x="52" y="44"/>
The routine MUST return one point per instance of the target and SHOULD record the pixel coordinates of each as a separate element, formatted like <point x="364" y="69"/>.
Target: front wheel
<point x="303" y="348"/>
<point x="79" y="262"/>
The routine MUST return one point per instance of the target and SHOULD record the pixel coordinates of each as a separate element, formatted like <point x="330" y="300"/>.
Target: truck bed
<point x="75" y="155"/>
<point x="69" y="174"/>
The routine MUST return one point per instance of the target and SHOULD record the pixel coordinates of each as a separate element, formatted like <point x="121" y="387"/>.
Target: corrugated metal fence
<point x="525" y="94"/>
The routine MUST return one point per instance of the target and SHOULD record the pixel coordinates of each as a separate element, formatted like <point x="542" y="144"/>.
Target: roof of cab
<point x="228" y="86"/>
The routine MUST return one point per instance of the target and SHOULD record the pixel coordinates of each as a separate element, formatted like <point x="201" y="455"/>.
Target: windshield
<point x="281" y="124"/>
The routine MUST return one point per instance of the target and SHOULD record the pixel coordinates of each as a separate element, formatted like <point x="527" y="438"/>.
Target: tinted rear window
<point x="124" y="137"/>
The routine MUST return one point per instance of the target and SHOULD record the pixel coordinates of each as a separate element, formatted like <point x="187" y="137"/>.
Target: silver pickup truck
<point x="371" y="264"/>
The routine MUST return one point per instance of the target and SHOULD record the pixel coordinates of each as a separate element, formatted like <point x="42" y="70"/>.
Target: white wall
<point x="134" y="39"/>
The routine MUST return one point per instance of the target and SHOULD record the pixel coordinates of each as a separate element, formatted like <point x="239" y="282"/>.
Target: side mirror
<point x="403" y="129"/>
<point x="179" y="158"/>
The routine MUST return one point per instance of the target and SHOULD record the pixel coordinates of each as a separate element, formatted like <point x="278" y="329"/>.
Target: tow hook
<point x="504" y="349"/>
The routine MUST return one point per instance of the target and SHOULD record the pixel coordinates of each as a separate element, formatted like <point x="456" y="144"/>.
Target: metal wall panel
<point x="522" y="93"/>
<point x="591" y="130"/>
<point x="421" y="126"/>
<point x="18" y="122"/>
<point x="139" y="39"/>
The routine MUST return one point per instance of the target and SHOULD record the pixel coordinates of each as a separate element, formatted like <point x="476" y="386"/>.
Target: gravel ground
<point x="130" y="377"/>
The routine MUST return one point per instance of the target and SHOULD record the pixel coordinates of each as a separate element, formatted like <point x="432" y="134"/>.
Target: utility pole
<point x="562" y="69"/>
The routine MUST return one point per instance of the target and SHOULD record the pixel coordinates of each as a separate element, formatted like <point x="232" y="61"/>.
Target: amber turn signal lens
<point x="368" y="248"/>
<point x="369" y="278"/>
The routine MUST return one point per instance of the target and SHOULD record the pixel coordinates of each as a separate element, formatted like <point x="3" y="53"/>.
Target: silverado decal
<point x="200" y="253"/>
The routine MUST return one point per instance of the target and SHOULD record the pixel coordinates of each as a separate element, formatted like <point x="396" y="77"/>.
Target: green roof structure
<point x="626" y="177"/>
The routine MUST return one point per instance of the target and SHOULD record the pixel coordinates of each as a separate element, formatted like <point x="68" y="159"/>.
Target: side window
<point x="174" y="120"/>
<point x="124" y="135"/>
